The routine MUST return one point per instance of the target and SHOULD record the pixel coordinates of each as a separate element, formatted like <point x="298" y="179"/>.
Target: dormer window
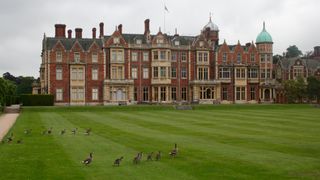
<point x="138" y="41"/>
<point x="176" y="43"/>
<point x="159" y="41"/>
<point x="76" y="57"/>
<point x="59" y="56"/>
<point x="224" y="57"/>
<point x="116" y="40"/>
<point x="238" y="58"/>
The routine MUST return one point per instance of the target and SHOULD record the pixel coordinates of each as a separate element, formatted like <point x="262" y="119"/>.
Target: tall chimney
<point x="101" y="30"/>
<point x="60" y="30"/>
<point x="316" y="52"/>
<point x="69" y="33"/>
<point x="146" y="26"/>
<point x="120" y="28"/>
<point x="94" y="33"/>
<point x="78" y="32"/>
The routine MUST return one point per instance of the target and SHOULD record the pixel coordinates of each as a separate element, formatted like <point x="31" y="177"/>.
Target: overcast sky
<point x="23" y="23"/>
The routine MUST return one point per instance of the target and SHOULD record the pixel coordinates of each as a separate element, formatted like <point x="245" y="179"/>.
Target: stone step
<point x="12" y="109"/>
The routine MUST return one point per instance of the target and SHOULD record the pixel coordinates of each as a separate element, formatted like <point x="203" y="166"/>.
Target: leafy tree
<point x="293" y="51"/>
<point x="7" y="92"/>
<point x="296" y="90"/>
<point x="301" y="89"/>
<point x="313" y="89"/>
<point x="276" y="58"/>
<point x="25" y="85"/>
<point x="290" y="90"/>
<point x="11" y="77"/>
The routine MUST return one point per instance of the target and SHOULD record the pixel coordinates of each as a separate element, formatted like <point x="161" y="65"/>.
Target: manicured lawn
<point x="227" y="141"/>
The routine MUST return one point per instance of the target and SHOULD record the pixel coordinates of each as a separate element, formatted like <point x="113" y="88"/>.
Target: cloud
<point x="24" y="22"/>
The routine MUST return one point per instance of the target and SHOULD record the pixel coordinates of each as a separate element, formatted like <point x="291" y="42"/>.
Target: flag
<point x="165" y="8"/>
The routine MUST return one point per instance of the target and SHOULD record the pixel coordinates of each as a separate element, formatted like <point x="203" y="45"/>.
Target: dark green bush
<point x="37" y="99"/>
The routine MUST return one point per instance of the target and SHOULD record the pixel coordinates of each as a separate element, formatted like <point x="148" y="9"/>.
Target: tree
<point x="301" y="89"/>
<point x="276" y="58"/>
<point x="313" y="89"/>
<point x="7" y="92"/>
<point x="25" y="85"/>
<point x="290" y="90"/>
<point x="11" y="77"/>
<point x="296" y="90"/>
<point x="293" y="51"/>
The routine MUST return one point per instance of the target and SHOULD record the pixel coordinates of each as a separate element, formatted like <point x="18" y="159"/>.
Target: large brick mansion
<point x="155" y="68"/>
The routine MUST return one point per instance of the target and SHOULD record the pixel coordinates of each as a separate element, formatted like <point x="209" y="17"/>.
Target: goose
<point x="174" y="151"/>
<point x="149" y="157"/>
<point x="49" y="130"/>
<point x="118" y="161"/>
<point x="74" y="131"/>
<point x="158" y="156"/>
<point x="27" y="131"/>
<point x="10" y="138"/>
<point x="88" y="160"/>
<point x="88" y="131"/>
<point x="63" y="131"/>
<point x="137" y="159"/>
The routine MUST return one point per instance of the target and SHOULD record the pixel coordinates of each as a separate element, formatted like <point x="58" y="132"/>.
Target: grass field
<point x="215" y="142"/>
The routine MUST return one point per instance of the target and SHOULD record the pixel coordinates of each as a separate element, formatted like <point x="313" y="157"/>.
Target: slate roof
<point x="312" y="64"/>
<point x="68" y="43"/>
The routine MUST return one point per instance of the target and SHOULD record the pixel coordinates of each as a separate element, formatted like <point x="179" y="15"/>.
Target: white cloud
<point x="24" y="22"/>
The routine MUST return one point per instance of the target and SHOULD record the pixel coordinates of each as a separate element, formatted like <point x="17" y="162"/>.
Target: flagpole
<point x="164" y="18"/>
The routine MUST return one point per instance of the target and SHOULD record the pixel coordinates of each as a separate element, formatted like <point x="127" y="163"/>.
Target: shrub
<point x="37" y="99"/>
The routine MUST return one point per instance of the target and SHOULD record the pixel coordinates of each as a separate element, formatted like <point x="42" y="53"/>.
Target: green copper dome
<point x="264" y="36"/>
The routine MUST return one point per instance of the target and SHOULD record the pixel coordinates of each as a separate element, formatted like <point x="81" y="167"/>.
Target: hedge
<point x="37" y="99"/>
<point x="9" y="100"/>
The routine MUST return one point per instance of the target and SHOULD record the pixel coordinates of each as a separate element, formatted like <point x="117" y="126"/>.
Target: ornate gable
<point x="116" y="40"/>
<point x="76" y="46"/>
<point x="58" y="46"/>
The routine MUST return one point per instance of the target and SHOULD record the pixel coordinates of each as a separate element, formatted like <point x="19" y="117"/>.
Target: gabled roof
<point x="287" y="63"/>
<point x="68" y="43"/>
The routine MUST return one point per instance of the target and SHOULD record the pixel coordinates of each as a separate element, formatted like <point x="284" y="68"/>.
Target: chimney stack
<point x="101" y="30"/>
<point x="69" y="33"/>
<point x="120" y="28"/>
<point x="94" y="33"/>
<point x="316" y="52"/>
<point x="146" y="26"/>
<point x="60" y="30"/>
<point x="78" y="32"/>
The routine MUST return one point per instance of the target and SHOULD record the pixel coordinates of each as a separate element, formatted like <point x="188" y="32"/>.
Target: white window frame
<point x="116" y="40"/>
<point x="59" y="94"/>
<point x="58" y="73"/>
<point x="145" y="56"/>
<point x="134" y="73"/>
<point x="134" y="56"/>
<point x="184" y="73"/>
<point x="59" y="56"/>
<point x="94" y="73"/>
<point x="77" y="57"/>
<point x="145" y="73"/>
<point x="94" y="57"/>
<point x="95" y="94"/>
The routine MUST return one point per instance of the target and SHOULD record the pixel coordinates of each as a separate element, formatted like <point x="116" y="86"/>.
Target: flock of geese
<point x="136" y="160"/>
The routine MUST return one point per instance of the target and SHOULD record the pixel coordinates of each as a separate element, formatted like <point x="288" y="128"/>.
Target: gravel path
<point x="6" y="122"/>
